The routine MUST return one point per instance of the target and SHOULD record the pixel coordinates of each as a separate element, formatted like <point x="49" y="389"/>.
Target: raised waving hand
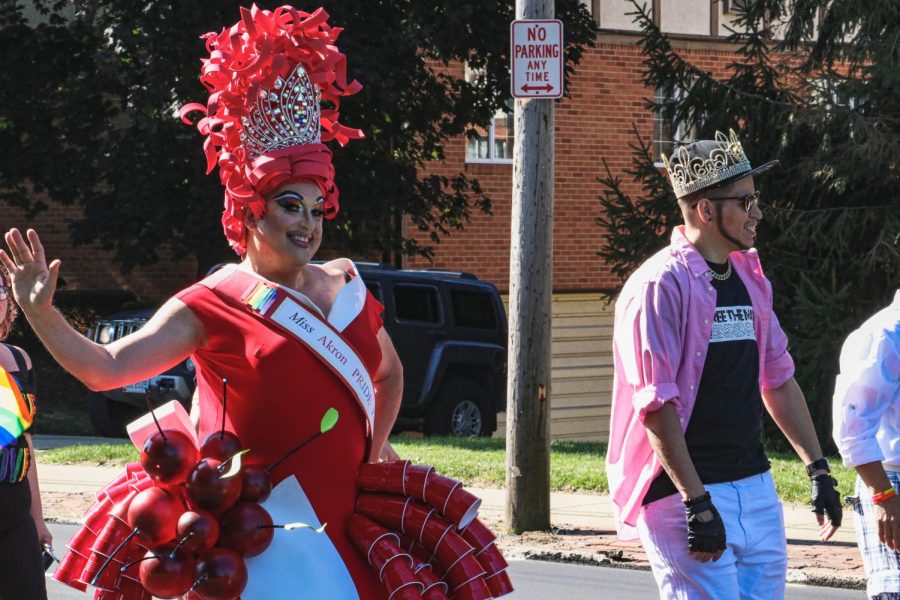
<point x="167" y="338"/>
<point x="33" y="282"/>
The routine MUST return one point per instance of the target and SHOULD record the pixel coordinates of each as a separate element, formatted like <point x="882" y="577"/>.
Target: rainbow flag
<point x="16" y="413"/>
<point x="261" y="298"/>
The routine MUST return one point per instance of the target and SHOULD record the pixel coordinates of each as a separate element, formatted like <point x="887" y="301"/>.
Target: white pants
<point x="754" y="563"/>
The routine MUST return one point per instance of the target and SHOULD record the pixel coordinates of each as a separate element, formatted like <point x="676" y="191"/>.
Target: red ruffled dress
<point x="394" y="530"/>
<point x="277" y="393"/>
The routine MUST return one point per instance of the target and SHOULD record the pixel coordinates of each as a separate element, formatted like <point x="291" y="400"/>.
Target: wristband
<point x="689" y="502"/>
<point x="816" y="465"/>
<point x="882" y="496"/>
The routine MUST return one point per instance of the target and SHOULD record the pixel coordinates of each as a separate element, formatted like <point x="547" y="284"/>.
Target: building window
<point x="589" y="5"/>
<point x="826" y="94"/>
<point x="835" y="99"/>
<point x="732" y="6"/>
<point x="665" y="132"/>
<point x="494" y="143"/>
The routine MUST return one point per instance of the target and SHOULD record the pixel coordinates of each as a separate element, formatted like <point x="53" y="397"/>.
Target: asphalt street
<point x="534" y="580"/>
<point x="537" y="580"/>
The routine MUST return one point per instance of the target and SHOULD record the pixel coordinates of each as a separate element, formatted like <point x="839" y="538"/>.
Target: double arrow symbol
<point x="530" y="88"/>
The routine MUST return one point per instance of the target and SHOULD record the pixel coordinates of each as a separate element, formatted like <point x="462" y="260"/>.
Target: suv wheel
<point x="460" y="409"/>
<point x="109" y="417"/>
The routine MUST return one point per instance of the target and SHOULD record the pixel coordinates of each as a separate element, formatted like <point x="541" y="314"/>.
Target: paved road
<point x="534" y="580"/>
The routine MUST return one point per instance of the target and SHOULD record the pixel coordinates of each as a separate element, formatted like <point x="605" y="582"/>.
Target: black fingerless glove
<point x="825" y="498"/>
<point x="704" y="537"/>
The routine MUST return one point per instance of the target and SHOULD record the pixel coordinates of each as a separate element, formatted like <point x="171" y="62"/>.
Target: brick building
<point x="607" y="101"/>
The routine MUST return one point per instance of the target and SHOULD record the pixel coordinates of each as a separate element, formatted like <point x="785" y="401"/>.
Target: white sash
<point x="277" y="305"/>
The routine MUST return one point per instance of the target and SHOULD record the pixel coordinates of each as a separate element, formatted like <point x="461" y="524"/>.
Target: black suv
<point x="112" y="410"/>
<point x="449" y="329"/>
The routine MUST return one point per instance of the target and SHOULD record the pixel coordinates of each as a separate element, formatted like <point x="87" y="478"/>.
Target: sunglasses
<point x="748" y="200"/>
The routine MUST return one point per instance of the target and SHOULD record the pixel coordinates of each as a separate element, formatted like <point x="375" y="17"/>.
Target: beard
<point x="721" y="227"/>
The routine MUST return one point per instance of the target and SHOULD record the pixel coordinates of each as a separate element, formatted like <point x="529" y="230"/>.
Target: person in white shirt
<point x="867" y="432"/>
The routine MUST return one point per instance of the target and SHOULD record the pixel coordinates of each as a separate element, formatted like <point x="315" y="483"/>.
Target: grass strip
<point x="104" y="455"/>
<point x="481" y="462"/>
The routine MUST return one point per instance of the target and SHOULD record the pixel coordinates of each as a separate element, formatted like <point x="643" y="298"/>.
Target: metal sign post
<point x="537" y="58"/>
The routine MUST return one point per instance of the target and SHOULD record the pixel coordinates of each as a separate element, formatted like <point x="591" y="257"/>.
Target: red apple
<point x="168" y="456"/>
<point x="246" y="529"/>
<point x="256" y="485"/>
<point x="220" y="574"/>
<point x="221" y="445"/>
<point x="207" y="489"/>
<point x="154" y="513"/>
<point x="167" y="574"/>
<point x="197" y="531"/>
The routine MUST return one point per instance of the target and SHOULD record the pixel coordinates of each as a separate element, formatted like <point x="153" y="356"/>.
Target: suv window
<point x="416" y="303"/>
<point x="473" y="309"/>
<point x="374" y="289"/>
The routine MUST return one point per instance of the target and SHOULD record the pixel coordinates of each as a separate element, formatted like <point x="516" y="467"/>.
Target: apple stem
<point x="153" y="414"/>
<point x="134" y="562"/>
<point x="199" y="581"/>
<point x="296" y="449"/>
<point x="224" y="404"/>
<point x="114" y="552"/>
<point x="180" y="543"/>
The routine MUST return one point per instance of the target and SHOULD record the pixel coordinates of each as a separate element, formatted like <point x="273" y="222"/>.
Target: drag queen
<point x="292" y="339"/>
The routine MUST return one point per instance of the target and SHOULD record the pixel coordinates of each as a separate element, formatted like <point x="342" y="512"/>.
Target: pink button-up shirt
<point x="664" y="318"/>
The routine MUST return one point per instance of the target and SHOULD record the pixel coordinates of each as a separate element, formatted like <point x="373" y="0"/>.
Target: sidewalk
<point x="583" y="526"/>
<point x="584" y="532"/>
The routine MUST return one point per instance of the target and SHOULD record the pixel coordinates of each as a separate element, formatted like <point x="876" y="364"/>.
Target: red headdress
<point x="266" y="75"/>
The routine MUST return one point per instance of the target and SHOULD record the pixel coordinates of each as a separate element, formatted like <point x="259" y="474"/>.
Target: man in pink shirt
<point x="698" y="353"/>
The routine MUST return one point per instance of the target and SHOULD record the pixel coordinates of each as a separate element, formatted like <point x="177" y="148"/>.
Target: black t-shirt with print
<point x="724" y="435"/>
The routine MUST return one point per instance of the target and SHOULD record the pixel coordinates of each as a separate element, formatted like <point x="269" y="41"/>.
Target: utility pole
<point x="530" y="288"/>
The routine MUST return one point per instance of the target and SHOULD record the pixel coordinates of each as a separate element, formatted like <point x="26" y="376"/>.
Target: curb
<point x="847" y="582"/>
<point x="614" y="559"/>
<point x="594" y="559"/>
<point x="62" y="521"/>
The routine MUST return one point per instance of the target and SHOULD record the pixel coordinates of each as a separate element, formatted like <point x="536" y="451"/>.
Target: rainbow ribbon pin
<point x="261" y="298"/>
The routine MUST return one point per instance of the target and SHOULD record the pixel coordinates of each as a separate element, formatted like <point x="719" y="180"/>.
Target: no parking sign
<point x="536" y="52"/>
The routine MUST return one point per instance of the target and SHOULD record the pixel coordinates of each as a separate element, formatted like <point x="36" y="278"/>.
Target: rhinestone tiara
<point x="285" y="116"/>
<point x="705" y="163"/>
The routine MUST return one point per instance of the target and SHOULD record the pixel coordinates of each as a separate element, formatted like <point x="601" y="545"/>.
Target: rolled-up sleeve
<point x="657" y="347"/>
<point x="778" y="367"/>
<point x="865" y="388"/>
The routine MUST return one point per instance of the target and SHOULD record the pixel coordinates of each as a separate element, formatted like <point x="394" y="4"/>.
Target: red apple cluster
<point x="198" y="521"/>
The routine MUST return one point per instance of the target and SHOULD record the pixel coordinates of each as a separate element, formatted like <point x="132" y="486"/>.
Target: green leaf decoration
<point x="329" y="420"/>
<point x="291" y="526"/>
<point x="235" y="466"/>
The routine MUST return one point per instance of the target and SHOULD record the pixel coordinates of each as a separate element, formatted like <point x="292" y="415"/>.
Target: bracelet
<point x="885" y="495"/>
<point x="689" y="502"/>
<point x="816" y="465"/>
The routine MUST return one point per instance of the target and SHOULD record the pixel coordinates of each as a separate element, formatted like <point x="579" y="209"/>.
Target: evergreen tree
<point x="825" y="101"/>
<point x="88" y="94"/>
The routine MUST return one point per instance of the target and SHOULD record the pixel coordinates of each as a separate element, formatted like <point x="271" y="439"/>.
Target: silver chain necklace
<point x="724" y="275"/>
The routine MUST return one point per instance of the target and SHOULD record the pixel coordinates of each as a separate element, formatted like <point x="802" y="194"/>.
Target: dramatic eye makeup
<point x="291" y="201"/>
